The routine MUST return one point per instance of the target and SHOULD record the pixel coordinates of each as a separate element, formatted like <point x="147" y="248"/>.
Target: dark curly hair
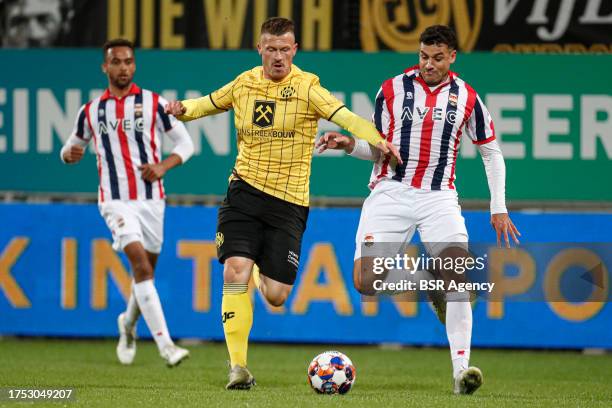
<point x="439" y="34"/>
<point x="116" y="42"/>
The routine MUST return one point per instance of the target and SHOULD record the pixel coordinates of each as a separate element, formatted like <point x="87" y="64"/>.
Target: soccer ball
<point x="331" y="372"/>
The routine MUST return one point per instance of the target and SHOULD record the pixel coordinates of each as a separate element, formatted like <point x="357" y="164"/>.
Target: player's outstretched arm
<point x="191" y="109"/>
<point x="335" y="141"/>
<point x="504" y="227"/>
<point x="495" y="169"/>
<point x="365" y="130"/>
<point x="175" y="108"/>
<point x="218" y="101"/>
<point x="358" y="148"/>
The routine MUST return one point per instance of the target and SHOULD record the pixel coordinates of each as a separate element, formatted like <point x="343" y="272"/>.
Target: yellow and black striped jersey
<point x="276" y="125"/>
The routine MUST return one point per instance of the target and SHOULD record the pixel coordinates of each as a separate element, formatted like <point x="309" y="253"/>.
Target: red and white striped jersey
<point x="126" y="133"/>
<point x="426" y="126"/>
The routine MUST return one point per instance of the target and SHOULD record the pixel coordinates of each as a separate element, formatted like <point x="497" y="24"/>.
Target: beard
<point x="121" y="83"/>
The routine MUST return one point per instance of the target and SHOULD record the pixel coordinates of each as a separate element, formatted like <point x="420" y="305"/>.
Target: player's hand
<point x="502" y="224"/>
<point x="388" y="148"/>
<point x="335" y="141"/>
<point x="74" y="154"/>
<point x="175" y="108"/>
<point x="152" y="172"/>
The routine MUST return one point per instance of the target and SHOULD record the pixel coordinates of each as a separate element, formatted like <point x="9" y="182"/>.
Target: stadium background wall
<point x="58" y="278"/>
<point x="554" y="120"/>
<point x="367" y="25"/>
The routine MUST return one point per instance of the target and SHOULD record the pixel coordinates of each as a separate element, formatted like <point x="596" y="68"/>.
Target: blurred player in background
<point x="35" y="23"/>
<point x="125" y="124"/>
<point x="262" y="220"/>
<point x="424" y="111"/>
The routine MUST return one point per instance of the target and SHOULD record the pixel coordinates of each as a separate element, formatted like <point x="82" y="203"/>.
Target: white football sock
<point x="150" y="306"/>
<point x="132" y="312"/>
<point x="459" y="329"/>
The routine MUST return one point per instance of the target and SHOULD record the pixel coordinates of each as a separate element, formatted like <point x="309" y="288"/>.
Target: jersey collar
<point x="415" y="73"/>
<point x="294" y="70"/>
<point x="134" y="90"/>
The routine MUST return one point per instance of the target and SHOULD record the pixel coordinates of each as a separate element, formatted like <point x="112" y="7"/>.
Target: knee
<point x="361" y="281"/>
<point x="237" y="270"/>
<point x="456" y="271"/>
<point x="142" y="269"/>
<point x="276" y="293"/>
<point x="277" y="299"/>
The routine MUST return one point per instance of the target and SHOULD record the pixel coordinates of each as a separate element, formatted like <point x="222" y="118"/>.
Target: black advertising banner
<point x="554" y="26"/>
<point x="491" y="25"/>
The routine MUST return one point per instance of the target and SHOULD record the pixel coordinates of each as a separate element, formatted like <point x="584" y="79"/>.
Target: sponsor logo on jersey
<point x="419" y="111"/>
<point x="263" y="113"/>
<point x="112" y="125"/>
<point x="267" y="133"/>
<point x="451" y="117"/>
<point x="139" y="123"/>
<point x="437" y="114"/>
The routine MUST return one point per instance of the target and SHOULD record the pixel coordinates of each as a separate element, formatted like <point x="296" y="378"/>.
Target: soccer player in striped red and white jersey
<point x="424" y="111"/>
<point x="125" y="124"/>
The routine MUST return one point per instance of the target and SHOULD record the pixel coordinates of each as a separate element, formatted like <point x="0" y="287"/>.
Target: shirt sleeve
<point x="323" y="102"/>
<point x="479" y="126"/>
<point x="218" y="101"/>
<point x="364" y="151"/>
<point x="81" y="132"/>
<point x="495" y="169"/>
<point x="164" y="122"/>
<point x="381" y="114"/>
<point x="222" y="98"/>
<point x="81" y="127"/>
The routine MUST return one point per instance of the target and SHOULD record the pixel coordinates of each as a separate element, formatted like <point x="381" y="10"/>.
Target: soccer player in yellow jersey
<point x="263" y="217"/>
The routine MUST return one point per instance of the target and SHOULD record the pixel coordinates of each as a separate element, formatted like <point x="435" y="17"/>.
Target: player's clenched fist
<point x="152" y="172"/>
<point x="175" y="108"/>
<point x="74" y="154"/>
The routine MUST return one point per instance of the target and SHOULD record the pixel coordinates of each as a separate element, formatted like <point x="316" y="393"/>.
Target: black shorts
<point x="266" y="229"/>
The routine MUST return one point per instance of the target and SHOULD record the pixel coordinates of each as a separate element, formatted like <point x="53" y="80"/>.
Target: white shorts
<point x="135" y="221"/>
<point x="394" y="210"/>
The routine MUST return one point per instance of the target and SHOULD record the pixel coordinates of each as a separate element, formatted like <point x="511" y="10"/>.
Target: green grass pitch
<point x="385" y="378"/>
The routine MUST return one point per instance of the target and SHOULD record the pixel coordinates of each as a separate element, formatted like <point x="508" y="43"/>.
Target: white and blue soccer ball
<point x="331" y="372"/>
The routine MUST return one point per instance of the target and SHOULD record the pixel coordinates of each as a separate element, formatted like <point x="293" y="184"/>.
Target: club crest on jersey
<point x="138" y="109"/>
<point x="263" y="113"/>
<point x="287" y="92"/>
<point x="452" y="99"/>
